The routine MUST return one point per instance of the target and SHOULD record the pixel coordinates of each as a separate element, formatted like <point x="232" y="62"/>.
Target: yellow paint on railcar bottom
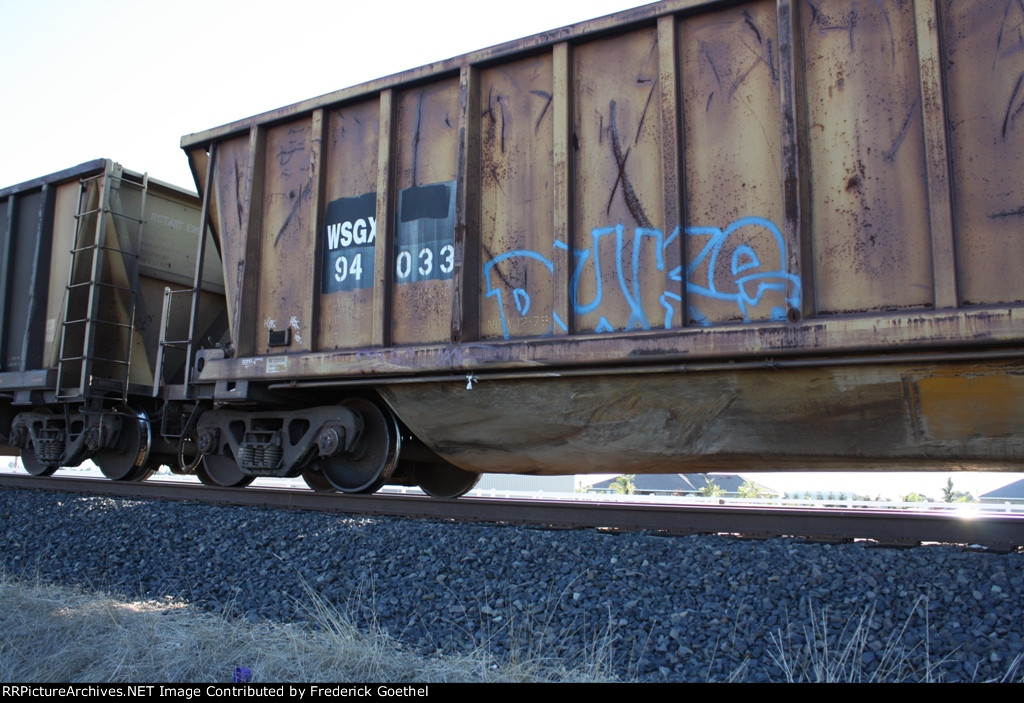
<point x="954" y="405"/>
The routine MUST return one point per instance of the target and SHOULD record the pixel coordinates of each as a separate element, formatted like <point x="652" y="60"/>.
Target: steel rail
<point x="887" y="527"/>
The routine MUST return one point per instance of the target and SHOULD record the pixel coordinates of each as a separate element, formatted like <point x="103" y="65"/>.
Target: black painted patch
<point x="431" y="202"/>
<point x="425" y="240"/>
<point x="350" y="229"/>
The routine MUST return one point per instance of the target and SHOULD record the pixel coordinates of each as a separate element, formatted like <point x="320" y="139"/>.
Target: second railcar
<point x="99" y="294"/>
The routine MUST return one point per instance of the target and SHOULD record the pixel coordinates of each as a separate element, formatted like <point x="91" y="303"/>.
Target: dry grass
<point x="835" y="653"/>
<point x="55" y="634"/>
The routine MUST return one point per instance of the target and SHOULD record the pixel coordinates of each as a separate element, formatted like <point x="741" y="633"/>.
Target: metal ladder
<point x="175" y="426"/>
<point x="102" y="289"/>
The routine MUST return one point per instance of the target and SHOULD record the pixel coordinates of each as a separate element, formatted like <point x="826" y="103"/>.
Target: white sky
<point x="125" y="79"/>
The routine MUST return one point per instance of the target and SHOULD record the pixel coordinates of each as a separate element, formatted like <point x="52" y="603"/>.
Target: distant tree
<point x="951" y="495"/>
<point x="711" y="489"/>
<point x="624" y="484"/>
<point x="749" y="489"/>
<point x="914" y="498"/>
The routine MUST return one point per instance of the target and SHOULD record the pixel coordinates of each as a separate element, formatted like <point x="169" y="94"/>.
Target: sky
<point x="125" y="80"/>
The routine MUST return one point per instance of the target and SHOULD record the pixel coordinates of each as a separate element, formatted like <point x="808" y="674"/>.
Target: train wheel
<point x="35" y="467"/>
<point x="444" y="480"/>
<point x="222" y="471"/>
<point x="376" y="456"/>
<point x="129" y="459"/>
<point x="316" y="480"/>
<point x="141" y="474"/>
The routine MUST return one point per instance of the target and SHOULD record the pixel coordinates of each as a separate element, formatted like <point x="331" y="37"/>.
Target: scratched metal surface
<point x="517" y="198"/>
<point x="879" y="418"/>
<point x="20" y="236"/>
<point x="686" y="178"/>
<point x="984" y="71"/>
<point x="869" y="205"/>
<point x="230" y="208"/>
<point x="617" y="283"/>
<point x="287" y="238"/>
<point x="350" y="162"/>
<point x="427" y="139"/>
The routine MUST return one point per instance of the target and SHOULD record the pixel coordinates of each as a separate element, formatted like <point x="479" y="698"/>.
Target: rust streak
<point x="1019" y="212"/>
<point x="650" y="95"/>
<point x="706" y="53"/>
<point x="416" y="138"/>
<point x="750" y="23"/>
<point x="547" y="96"/>
<point x="1011" y="114"/>
<point x="628" y="194"/>
<point x="1002" y="26"/>
<point x="501" y="109"/>
<point x="890" y="155"/>
<point x="238" y="193"/>
<point x="306" y="190"/>
<point x="618" y="179"/>
<point x="641" y="79"/>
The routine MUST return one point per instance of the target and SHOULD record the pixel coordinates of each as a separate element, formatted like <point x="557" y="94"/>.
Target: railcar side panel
<point x="427" y="135"/>
<point x="26" y="246"/>
<point x="694" y="168"/>
<point x="983" y="66"/>
<point x="733" y="144"/>
<point x="517" y="175"/>
<point x="349" y="232"/>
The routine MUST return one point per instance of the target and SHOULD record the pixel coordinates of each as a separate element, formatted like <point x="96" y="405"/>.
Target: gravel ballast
<point x="652" y="608"/>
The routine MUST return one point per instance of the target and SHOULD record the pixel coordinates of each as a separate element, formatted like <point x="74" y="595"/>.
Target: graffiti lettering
<point x="742" y="265"/>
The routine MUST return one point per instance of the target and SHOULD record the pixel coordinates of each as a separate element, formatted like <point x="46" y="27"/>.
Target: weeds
<point x="855" y="655"/>
<point x="63" y="635"/>
<point x="54" y="634"/>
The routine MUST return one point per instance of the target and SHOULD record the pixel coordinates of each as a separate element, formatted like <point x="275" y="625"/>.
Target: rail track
<point x="998" y="532"/>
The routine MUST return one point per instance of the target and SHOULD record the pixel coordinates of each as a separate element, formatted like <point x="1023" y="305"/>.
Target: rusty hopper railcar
<point x="691" y="236"/>
<point x="89" y="334"/>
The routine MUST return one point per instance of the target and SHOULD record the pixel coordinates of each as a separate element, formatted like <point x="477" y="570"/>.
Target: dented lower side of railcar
<point x="790" y="416"/>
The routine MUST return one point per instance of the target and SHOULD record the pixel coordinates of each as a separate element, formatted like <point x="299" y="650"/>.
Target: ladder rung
<point x="97" y="321"/>
<point x="108" y="211"/>
<point x="111" y="323"/>
<point x="104" y="247"/>
<point x="100" y="284"/>
<point x="114" y="286"/>
<point x="92" y="358"/>
<point x="126" y="216"/>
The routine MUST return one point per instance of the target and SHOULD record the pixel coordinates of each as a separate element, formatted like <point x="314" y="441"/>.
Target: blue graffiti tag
<point x="750" y="277"/>
<point x="750" y="280"/>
